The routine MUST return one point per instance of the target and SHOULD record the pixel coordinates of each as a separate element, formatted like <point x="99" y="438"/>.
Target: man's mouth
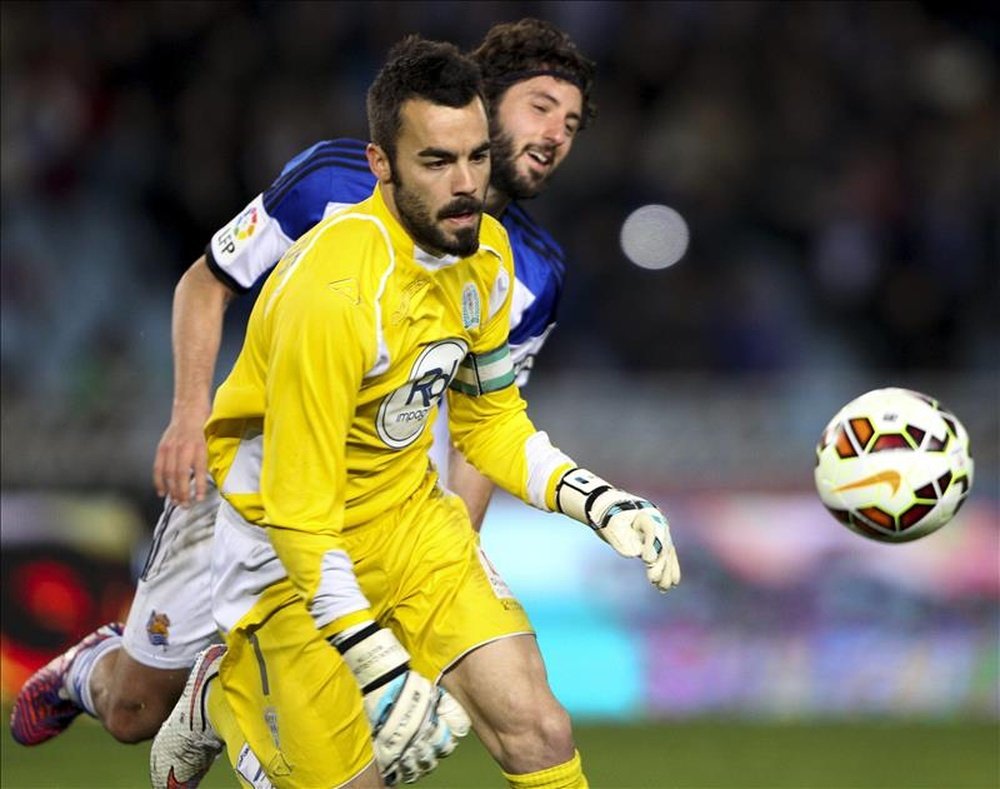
<point x="459" y="219"/>
<point x="542" y="156"/>
<point x="461" y="212"/>
<point x="462" y="219"/>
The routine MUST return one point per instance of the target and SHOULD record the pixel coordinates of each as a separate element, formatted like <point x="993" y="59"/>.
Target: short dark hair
<point x="417" y="68"/>
<point x="515" y="51"/>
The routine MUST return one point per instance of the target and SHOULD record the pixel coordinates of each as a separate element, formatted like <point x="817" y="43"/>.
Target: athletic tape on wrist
<point x="373" y="654"/>
<point x="576" y="493"/>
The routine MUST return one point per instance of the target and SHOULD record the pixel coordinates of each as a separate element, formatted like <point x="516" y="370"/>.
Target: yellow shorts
<point x="294" y="699"/>
<point x="426" y="577"/>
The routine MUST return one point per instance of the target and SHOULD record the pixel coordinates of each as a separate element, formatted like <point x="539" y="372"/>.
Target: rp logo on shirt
<point x="403" y="414"/>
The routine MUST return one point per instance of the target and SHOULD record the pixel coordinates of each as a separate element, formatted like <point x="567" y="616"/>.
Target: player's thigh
<point x="448" y="598"/>
<point x="504" y="687"/>
<point x="170" y="620"/>
<point x="294" y="699"/>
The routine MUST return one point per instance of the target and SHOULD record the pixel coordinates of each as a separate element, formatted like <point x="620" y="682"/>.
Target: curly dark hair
<point x="514" y="51"/>
<point x="417" y="68"/>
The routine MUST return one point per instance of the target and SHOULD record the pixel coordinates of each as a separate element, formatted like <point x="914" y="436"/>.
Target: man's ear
<point x="378" y="163"/>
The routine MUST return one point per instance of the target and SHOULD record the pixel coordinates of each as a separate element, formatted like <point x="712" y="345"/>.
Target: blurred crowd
<point x="836" y="163"/>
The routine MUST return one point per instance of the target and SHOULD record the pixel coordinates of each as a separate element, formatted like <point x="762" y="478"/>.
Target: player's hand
<point x="449" y="722"/>
<point x="631" y="525"/>
<point x="414" y="723"/>
<point x="182" y="455"/>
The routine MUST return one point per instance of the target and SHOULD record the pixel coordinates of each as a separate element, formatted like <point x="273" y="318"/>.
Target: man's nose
<point x="464" y="180"/>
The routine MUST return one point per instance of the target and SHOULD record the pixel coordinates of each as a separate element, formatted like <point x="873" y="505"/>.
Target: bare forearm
<point x="200" y="301"/>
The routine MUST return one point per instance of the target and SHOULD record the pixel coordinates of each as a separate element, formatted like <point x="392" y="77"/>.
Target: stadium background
<point x="837" y="166"/>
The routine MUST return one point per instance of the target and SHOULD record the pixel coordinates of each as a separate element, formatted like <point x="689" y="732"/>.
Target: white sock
<point x="78" y="681"/>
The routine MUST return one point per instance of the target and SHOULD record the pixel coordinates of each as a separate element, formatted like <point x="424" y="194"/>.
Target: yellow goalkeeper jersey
<point x="357" y="333"/>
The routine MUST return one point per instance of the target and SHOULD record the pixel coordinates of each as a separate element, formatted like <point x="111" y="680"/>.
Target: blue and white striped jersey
<point x="334" y="173"/>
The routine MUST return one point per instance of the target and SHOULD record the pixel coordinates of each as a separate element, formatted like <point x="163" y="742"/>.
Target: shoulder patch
<point x="471" y="306"/>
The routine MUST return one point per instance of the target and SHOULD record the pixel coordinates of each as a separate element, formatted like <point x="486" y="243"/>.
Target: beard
<point x="415" y="216"/>
<point x="504" y="176"/>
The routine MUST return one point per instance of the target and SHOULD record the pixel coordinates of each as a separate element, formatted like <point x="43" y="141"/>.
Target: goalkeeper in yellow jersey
<point x="345" y="579"/>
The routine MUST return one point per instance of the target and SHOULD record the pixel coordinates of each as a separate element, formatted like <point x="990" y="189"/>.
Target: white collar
<point x="433" y="262"/>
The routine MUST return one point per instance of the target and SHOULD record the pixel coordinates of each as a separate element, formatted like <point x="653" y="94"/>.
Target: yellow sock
<point x="568" y="775"/>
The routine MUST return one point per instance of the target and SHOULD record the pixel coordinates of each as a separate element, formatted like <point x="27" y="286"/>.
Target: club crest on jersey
<point x="158" y="629"/>
<point x="403" y="413"/>
<point x="470" y="306"/>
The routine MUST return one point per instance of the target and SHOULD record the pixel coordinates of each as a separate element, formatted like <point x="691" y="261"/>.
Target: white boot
<point x="187" y="745"/>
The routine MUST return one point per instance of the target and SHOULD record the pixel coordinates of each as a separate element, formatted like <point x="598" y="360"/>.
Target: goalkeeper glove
<point x="413" y="722"/>
<point x="629" y="524"/>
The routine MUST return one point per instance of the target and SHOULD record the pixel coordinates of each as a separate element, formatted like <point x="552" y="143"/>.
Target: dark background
<point x="836" y="162"/>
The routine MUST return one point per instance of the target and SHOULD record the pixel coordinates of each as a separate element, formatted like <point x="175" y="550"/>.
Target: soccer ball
<point x="893" y="465"/>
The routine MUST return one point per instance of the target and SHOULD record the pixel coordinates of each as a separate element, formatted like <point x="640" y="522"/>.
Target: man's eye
<point x="436" y="165"/>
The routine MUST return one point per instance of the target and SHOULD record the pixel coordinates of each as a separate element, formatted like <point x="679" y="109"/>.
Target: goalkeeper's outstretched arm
<point x="493" y="431"/>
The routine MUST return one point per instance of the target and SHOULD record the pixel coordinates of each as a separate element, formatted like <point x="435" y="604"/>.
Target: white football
<point x="893" y="465"/>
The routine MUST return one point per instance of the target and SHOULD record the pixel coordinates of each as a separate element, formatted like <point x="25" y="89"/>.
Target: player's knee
<point x="130" y="721"/>
<point x="539" y="736"/>
<point x="555" y="732"/>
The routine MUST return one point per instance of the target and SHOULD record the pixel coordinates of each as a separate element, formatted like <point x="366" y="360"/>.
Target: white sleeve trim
<point x="244" y="472"/>
<point x="244" y="564"/>
<point x="382" y="355"/>
<point x="543" y="460"/>
<point x="249" y="245"/>
<point x="339" y="593"/>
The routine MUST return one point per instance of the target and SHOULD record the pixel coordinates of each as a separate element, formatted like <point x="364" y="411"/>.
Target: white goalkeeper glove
<point x="629" y="524"/>
<point x="414" y="723"/>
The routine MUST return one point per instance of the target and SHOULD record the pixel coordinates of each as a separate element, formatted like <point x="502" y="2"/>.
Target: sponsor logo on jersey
<point x="226" y="243"/>
<point x="403" y="413"/>
<point x="497" y="583"/>
<point x="158" y="629"/>
<point x="248" y="767"/>
<point x="271" y="719"/>
<point x="470" y="306"/>
<point x="245" y="224"/>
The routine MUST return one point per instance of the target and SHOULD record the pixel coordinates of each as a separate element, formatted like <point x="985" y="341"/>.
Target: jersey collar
<point x="402" y="240"/>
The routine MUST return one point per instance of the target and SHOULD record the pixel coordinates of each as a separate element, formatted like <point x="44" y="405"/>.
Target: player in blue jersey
<point x="539" y="87"/>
